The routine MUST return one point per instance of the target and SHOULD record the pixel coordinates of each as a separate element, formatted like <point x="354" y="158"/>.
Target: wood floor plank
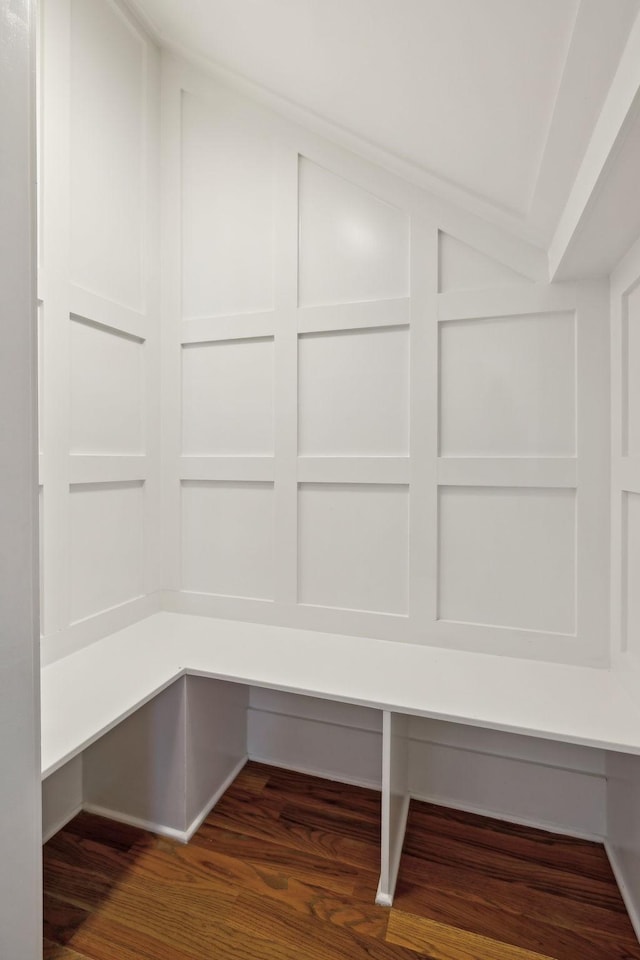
<point x="441" y="942"/>
<point x="521" y="842"/>
<point x="286" y="866"/>
<point x="526" y="917"/>
<point x="53" y="951"/>
<point x="352" y="801"/>
<point x="315" y="940"/>
<point x="419" y="851"/>
<point x="273" y="882"/>
<point x="301" y="862"/>
<point x="479" y="914"/>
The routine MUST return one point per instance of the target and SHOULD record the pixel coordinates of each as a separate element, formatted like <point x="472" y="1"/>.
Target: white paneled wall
<point x="99" y="321"/>
<point x="623" y="773"/>
<point x="521" y="372"/>
<point x="625" y="456"/>
<point x="373" y="420"/>
<point x="373" y="425"/>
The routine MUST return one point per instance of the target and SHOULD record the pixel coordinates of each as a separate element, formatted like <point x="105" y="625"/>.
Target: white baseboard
<point x="536" y="824"/>
<point x="312" y="771"/>
<point x="182" y="836"/>
<point x="52" y="829"/>
<point x="158" y="828"/>
<point x="208" y="807"/>
<point x="633" y="907"/>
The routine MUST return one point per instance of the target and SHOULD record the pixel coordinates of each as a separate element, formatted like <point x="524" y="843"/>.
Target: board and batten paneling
<point x="100" y="324"/>
<point x="623" y="773"/>
<point x="423" y="426"/>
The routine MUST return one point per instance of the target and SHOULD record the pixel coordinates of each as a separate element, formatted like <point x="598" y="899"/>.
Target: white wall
<point x="623" y="773"/>
<point x="375" y="421"/>
<point x="20" y="871"/>
<point x="98" y="322"/>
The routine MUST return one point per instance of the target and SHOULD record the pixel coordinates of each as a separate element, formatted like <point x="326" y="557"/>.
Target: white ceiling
<point x="490" y="103"/>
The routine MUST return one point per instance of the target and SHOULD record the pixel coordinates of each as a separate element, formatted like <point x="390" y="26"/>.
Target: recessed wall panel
<point x="353" y="546"/>
<point x="106" y="391"/>
<point x="631" y="536"/>
<point x="353" y="390"/>
<point x="507" y="387"/>
<point x="106" y="546"/>
<point x="227" y="208"/>
<point x="353" y="246"/>
<point x="507" y="557"/>
<point x="107" y="153"/>
<point x="461" y="267"/>
<point x="632" y="361"/>
<point x="227" y="398"/>
<point x="228" y="538"/>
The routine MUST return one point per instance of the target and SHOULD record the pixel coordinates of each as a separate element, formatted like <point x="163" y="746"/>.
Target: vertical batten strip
<point x="56" y="215"/>
<point x="171" y="361"/>
<point x="423" y="494"/>
<point x="152" y="348"/>
<point x="592" y="413"/>
<point x="286" y="374"/>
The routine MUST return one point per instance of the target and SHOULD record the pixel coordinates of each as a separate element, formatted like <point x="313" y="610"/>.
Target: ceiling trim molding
<point x="415" y="174"/>
<point x="619" y="110"/>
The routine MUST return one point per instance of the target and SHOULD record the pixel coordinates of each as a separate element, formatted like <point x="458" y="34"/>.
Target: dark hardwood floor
<point x="286" y="866"/>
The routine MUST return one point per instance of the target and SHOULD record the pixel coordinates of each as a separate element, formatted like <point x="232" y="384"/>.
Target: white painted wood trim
<point x="92" y="308"/>
<point x="199" y="819"/>
<point x="395" y="802"/>
<point x="508" y="472"/>
<point x="286" y="376"/>
<point x="423" y="427"/>
<point x="261" y="469"/>
<point x="506" y="301"/>
<point x="216" y="329"/>
<point x="609" y="131"/>
<point x="85" y="632"/>
<point x="630" y="897"/>
<point x="353" y="470"/>
<point x="62" y="822"/>
<point x="491" y="229"/>
<point x="107" y="469"/>
<point x="354" y="316"/>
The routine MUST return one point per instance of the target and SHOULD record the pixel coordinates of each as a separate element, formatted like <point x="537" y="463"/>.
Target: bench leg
<point x="395" y="801"/>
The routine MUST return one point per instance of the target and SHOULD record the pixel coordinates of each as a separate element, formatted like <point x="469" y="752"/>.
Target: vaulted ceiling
<point x="489" y="103"/>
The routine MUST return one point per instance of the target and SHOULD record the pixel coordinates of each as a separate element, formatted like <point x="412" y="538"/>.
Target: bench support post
<point x="395" y="801"/>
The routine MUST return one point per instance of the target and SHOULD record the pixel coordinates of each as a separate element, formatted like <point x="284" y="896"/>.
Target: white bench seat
<point x="88" y="693"/>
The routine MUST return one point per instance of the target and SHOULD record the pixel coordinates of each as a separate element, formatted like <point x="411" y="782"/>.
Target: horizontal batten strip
<point x="630" y="474"/>
<point x="107" y="469"/>
<point x="507" y="472"/>
<point x="506" y="301"/>
<point x="244" y="327"/>
<point x="353" y="316"/>
<point x="226" y="468"/>
<point x="106" y="313"/>
<point x="353" y="470"/>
